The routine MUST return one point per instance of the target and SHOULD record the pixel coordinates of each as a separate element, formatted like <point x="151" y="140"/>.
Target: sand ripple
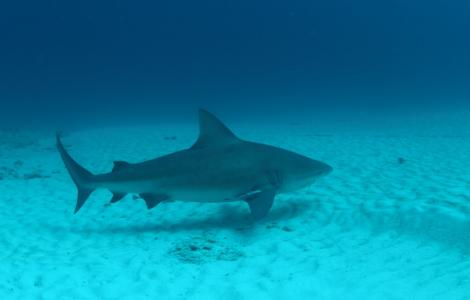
<point x="374" y="228"/>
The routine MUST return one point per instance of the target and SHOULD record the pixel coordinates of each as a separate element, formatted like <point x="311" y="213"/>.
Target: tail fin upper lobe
<point x="83" y="178"/>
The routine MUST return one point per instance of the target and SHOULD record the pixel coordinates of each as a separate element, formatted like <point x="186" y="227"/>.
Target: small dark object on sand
<point x="401" y="160"/>
<point x="287" y="229"/>
<point x="34" y="176"/>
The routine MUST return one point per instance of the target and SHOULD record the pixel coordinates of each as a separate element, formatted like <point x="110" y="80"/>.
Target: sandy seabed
<point x="375" y="228"/>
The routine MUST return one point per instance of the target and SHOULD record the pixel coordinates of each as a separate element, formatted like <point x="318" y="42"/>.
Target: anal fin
<point x="152" y="200"/>
<point x="119" y="165"/>
<point x="260" y="203"/>
<point x="117" y="197"/>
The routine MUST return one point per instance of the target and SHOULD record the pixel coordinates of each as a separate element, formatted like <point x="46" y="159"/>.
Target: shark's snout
<point x="319" y="169"/>
<point x="306" y="172"/>
<point x="326" y="169"/>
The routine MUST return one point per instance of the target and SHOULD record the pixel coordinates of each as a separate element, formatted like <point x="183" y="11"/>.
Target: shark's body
<point x="219" y="167"/>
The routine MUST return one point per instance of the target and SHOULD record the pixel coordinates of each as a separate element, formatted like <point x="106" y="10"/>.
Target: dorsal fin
<point x="118" y="165"/>
<point x="212" y="131"/>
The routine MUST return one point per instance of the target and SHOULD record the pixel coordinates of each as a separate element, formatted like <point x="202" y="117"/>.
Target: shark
<point x="218" y="167"/>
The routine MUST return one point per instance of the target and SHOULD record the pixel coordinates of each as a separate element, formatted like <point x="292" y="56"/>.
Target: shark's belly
<point x="221" y="188"/>
<point x="203" y="195"/>
<point x="201" y="180"/>
<point x="185" y="190"/>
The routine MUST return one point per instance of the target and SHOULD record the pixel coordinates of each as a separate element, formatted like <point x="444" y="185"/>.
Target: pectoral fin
<point x="260" y="203"/>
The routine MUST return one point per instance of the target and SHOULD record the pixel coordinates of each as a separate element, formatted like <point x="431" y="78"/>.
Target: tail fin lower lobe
<point x="82" y="178"/>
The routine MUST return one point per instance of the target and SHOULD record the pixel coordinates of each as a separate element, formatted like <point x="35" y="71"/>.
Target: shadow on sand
<point x="228" y="217"/>
<point x="431" y="226"/>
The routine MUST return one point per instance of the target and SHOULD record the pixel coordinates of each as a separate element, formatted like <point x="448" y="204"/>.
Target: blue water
<point x="379" y="90"/>
<point x="163" y="57"/>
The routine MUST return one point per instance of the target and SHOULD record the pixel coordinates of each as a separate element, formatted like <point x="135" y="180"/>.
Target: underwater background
<point x="377" y="89"/>
<point x="249" y="60"/>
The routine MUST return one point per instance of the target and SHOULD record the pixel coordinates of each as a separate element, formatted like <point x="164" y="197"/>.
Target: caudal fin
<point x="83" y="178"/>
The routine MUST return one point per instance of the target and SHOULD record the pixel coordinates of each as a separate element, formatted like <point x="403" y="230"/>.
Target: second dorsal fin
<point x="119" y="165"/>
<point x="212" y="131"/>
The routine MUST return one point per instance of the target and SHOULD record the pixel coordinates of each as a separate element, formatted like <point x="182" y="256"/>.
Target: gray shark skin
<point x="219" y="167"/>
